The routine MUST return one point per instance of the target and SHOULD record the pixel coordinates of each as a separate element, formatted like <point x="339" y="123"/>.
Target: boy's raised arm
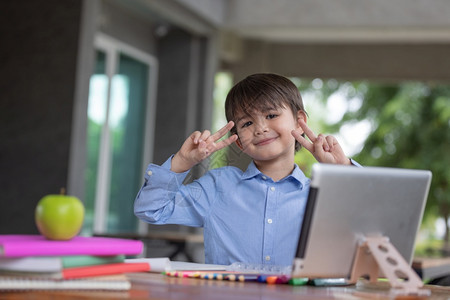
<point x="200" y="145"/>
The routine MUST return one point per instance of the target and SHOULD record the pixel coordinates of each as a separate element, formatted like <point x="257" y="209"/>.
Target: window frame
<point x="112" y="49"/>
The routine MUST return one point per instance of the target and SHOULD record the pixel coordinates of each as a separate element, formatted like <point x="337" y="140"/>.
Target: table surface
<point x="158" y="286"/>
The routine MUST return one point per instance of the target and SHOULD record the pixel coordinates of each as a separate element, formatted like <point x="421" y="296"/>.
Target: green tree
<point x="410" y="129"/>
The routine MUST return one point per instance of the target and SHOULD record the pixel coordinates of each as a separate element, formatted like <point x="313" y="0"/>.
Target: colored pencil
<point x="231" y="276"/>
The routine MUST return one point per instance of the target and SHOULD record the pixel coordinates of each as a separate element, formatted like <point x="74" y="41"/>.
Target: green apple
<point x="59" y="217"/>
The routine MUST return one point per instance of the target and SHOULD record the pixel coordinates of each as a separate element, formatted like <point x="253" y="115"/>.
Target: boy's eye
<point x="246" y="124"/>
<point x="271" y="116"/>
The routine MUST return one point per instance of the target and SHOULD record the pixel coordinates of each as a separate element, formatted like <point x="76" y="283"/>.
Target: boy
<point x="252" y="216"/>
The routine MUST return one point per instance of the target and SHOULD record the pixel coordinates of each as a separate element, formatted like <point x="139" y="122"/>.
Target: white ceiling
<point x="323" y="20"/>
<point x="377" y="39"/>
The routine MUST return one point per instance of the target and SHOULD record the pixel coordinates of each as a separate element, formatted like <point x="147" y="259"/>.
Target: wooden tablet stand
<point x="377" y="254"/>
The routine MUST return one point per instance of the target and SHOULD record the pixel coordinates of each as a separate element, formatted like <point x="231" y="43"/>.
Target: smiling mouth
<point x="265" y="142"/>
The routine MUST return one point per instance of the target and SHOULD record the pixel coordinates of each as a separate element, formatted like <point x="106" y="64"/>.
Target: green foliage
<point x="410" y="128"/>
<point x="304" y="159"/>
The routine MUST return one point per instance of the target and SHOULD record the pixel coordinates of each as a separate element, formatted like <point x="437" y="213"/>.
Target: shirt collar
<point x="297" y="174"/>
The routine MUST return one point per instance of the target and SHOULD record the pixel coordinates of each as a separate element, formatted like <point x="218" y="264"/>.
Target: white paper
<point x="159" y="264"/>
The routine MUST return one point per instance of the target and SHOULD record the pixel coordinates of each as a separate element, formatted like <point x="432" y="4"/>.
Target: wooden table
<point x="157" y="286"/>
<point x="432" y="268"/>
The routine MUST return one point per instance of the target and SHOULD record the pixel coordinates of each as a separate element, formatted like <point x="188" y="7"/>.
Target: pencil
<point x="273" y="279"/>
<point x="242" y="277"/>
<point x="231" y="276"/>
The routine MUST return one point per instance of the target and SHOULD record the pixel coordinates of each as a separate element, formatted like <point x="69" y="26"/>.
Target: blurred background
<point x="91" y="91"/>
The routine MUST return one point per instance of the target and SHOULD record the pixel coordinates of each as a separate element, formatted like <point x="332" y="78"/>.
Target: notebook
<point x="164" y="264"/>
<point x="111" y="283"/>
<point x="21" y="245"/>
<point x="346" y="204"/>
<point x="54" y="263"/>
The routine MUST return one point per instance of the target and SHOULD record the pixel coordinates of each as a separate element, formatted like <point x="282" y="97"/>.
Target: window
<point x="119" y="135"/>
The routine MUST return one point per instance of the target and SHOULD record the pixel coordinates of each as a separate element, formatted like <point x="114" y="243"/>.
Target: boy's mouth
<point x="264" y="142"/>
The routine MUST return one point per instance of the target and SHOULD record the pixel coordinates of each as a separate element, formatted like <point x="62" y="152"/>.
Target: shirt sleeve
<point x="355" y="163"/>
<point x="163" y="199"/>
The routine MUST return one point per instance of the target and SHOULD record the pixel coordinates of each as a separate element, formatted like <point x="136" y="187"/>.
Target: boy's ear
<point x="301" y="115"/>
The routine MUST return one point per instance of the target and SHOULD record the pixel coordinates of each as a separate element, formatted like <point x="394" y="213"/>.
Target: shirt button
<point x="264" y="177"/>
<point x="269" y="221"/>
<point x="150" y="173"/>
<point x="272" y="188"/>
<point x="267" y="257"/>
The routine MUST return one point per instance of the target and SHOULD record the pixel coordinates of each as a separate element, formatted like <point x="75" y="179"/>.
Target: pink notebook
<point x="38" y="245"/>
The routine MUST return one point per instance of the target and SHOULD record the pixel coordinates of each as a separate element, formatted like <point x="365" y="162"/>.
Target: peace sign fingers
<point x="213" y="142"/>
<point x="309" y="133"/>
<point x="200" y="145"/>
<point x="298" y="135"/>
<point x="222" y="132"/>
<point x="325" y="149"/>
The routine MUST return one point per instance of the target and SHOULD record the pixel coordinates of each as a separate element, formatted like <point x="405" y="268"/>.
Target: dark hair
<point x="262" y="92"/>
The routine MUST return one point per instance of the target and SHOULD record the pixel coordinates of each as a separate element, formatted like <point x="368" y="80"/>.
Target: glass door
<point x="120" y="135"/>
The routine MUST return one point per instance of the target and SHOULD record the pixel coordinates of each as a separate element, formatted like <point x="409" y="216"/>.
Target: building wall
<point x="129" y="28"/>
<point x="37" y="83"/>
<point x="39" y="102"/>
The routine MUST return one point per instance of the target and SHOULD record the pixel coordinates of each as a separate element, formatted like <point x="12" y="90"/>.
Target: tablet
<point x="346" y="204"/>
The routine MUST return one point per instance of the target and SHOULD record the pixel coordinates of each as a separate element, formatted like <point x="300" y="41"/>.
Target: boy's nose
<point x="261" y="127"/>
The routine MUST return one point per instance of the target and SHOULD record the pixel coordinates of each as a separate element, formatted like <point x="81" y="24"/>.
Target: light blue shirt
<point x="246" y="216"/>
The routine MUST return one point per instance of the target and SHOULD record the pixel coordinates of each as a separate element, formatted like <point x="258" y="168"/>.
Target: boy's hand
<point x="325" y="149"/>
<point x="200" y="145"/>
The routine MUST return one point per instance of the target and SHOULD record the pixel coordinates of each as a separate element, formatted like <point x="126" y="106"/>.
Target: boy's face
<point x="266" y="135"/>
